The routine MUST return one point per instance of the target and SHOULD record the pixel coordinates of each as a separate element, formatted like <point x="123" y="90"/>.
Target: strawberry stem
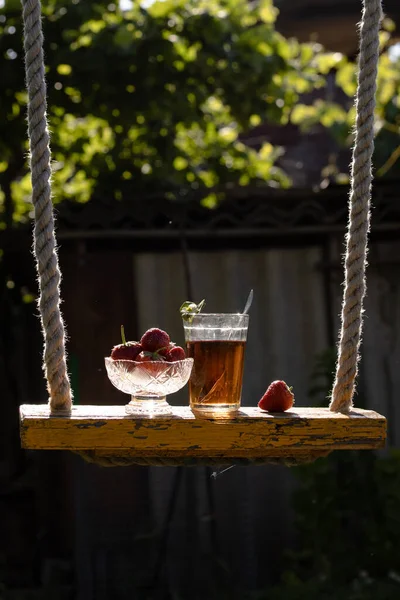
<point x="123" y="335"/>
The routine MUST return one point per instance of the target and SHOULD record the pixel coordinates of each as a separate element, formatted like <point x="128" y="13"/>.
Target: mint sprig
<point x="189" y="309"/>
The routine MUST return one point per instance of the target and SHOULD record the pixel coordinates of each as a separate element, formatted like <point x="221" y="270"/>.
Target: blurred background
<point x="200" y="149"/>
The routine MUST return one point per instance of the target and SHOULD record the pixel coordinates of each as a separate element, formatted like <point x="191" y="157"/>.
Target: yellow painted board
<point x="252" y="433"/>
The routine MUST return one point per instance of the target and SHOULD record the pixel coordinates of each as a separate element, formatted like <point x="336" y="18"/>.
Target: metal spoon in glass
<point x="248" y="303"/>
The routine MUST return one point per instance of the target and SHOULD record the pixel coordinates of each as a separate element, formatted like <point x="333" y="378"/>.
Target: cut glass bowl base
<point x="148" y="383"/>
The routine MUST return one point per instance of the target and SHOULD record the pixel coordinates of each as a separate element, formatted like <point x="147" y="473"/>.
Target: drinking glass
<point x="217" y="344"/>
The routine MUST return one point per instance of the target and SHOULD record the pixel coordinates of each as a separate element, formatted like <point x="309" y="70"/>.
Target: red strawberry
<point x="176" y="353"/>
<point x="165" y="351"/>
<point x="154" y="339"/>
<point x="277" y="398"/>
<point x="151" y="361"/>
<point x="126" y="350"/>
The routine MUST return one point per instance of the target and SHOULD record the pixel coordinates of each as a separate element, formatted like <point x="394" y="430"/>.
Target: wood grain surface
<point x="251" y="433"/>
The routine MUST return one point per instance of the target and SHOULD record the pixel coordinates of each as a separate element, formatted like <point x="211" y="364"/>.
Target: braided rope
<point x="54" y="362"/>
<point x="359" y="211"/>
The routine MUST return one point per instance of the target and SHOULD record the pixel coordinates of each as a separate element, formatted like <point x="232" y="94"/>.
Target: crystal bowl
<point x="148" y="383"/>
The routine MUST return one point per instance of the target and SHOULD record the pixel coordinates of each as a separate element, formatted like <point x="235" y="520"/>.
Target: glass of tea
<point x="217" y="344"/>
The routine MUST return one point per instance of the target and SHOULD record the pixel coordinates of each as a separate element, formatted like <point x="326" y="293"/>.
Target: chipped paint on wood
<point x="251" y="433"/>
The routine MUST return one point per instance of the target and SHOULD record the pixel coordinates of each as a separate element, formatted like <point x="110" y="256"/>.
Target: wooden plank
<point x="251" y="433"/>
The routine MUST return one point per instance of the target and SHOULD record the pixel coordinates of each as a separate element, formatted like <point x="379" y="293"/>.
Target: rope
<point x="359" y="211"/>
<point x="54" y="357"/>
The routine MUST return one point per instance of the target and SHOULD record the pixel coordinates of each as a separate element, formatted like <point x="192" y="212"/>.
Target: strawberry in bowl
<point x="126" y="350"/>
<point x="157" y="368"/>
<point x="155" y="340"/>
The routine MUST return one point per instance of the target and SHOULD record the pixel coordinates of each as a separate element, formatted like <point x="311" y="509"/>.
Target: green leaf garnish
<point x="189" y="309"/>
<point x="154" y="355"/>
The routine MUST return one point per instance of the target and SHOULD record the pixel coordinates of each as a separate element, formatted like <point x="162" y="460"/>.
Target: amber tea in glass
<point x="217" y="344"/>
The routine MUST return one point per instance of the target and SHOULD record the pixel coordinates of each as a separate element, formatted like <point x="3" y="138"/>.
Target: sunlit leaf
<point x="210" y="201"/>
<point x="180" y="163"/>
<point x="64" y="69"/>
<point x="267" y="11"/>
<point x="346" y="78"/>
<point x="162" y="8"/>
<point x="326" y="61"/>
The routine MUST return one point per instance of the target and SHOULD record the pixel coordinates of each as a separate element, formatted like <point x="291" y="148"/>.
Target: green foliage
<point x="157" y="99"/>
<point x="340" y="119"/>
<point x="153" y="100"/>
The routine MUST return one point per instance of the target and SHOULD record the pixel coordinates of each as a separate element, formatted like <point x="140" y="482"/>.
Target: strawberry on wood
<point x="278" y="397"/>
